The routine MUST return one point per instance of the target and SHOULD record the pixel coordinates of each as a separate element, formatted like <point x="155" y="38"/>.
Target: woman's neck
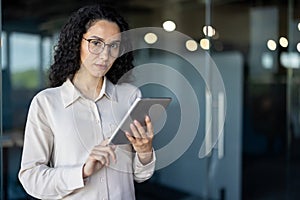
<point x="90" y="87"/>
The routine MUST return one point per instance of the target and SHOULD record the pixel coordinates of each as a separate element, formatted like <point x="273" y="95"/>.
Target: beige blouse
<point x="62" y="127"/>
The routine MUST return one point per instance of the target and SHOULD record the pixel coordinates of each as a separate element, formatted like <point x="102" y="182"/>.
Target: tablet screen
<point x="153" y="107"/>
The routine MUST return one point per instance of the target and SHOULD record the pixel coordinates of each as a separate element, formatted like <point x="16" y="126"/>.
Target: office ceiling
<point x="47" y="15"/>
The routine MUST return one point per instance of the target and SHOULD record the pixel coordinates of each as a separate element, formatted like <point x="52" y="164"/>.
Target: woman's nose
<point x="105" y="53"/>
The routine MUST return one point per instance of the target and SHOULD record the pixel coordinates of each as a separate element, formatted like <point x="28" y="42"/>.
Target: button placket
<point x="102" y="179"/>
<point x="96" y="118"/>
<point x="96" y="113"/>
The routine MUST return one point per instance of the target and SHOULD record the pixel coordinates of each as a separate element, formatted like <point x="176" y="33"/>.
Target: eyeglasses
<point x="97" y="46"/>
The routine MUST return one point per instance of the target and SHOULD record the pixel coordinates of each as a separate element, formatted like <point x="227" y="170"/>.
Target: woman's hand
<point x="99" y="157"/>
<point x="141" y="139"/>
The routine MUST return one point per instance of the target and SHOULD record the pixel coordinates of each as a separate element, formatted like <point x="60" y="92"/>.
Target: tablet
<point x="153" y="107"/>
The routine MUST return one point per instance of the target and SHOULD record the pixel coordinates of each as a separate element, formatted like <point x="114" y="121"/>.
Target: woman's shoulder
<point x="47" y="93"/>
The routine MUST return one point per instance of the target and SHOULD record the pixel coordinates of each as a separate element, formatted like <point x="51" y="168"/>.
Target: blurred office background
<point x="255" y="44"/>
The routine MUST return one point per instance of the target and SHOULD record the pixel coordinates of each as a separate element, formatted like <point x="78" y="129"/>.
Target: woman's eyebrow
<point x="99" y="38"/>
<point x="96" y="37"/>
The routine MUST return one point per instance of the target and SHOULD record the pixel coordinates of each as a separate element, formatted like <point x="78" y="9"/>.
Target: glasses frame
<point x="105" y="44"/>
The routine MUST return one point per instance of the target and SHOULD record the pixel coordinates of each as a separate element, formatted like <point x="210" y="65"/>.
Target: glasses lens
<point x="114" y="49"/>
<point x="96" y="46"/>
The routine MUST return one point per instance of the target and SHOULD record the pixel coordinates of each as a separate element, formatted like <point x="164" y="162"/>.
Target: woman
<point x="65" y="153"/>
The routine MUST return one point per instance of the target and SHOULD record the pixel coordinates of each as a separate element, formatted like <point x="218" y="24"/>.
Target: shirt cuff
<point x="72" y="178"/>
<point x="139" y="164"/>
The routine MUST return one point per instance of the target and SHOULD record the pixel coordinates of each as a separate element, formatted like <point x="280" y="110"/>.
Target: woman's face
<point x="98" y="63"/>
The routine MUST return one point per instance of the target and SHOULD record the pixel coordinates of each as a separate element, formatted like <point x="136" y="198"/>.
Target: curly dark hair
<point x="67" y="51"/>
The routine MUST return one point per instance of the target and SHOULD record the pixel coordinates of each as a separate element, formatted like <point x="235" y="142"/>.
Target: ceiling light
<point x="150" y="38"/>
<point x="204" y="43"/>
<point x="169" y="26"/>
<point x="209" y="31"/>
<point x="191" y="45"/>
<point x="271" y="44"/>
<point x="283" y="42"/>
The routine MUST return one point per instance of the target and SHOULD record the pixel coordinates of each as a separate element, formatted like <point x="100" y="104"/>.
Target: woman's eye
<point x="96" y="42"/>
<point x="115" y="45"/>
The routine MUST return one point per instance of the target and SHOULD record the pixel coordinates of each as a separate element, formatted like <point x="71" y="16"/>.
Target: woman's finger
<point x="106" y="151"/>
<point x="149" y="127"/>
<point x="140" y="129"/>
<point x="99" y="158"/>
<point x="134" y="131"/>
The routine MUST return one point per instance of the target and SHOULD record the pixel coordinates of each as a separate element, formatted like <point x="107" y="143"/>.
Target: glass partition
<point x="25" y="60"/>
<point x="1" y="150"/>
<point x="256" y="47"/>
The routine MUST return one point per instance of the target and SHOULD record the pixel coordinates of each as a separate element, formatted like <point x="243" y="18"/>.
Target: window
<point x="3" y="50"/>
<point x="24" y="60"/>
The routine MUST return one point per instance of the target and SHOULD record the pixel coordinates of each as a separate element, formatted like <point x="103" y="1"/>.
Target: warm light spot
<point x="283" y="42"/>
<point x="271" y="44"/>
<point x="204" y="43"/>
<point x="209" y="31"/>
<point x="191" y="45"/>
<point x="169" y="26"/>
<point x="150" y="38"/>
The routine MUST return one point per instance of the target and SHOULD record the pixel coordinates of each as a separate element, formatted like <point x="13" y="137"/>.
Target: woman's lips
<point x="100" y="66"/>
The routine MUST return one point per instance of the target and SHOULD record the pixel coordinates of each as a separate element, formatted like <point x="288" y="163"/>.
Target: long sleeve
<point x="143" y="172"/>
<point x="61" y="130"/>
<point x="37" y="177"/>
